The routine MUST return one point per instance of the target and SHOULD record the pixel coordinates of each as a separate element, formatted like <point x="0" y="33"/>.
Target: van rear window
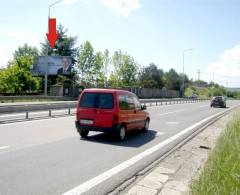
<point x="97" y="100"/>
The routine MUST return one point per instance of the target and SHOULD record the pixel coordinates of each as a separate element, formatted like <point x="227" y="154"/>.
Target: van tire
<point x="83" y="133"/>
<point x="121" y="133"/>
<point x="146" y="125"/>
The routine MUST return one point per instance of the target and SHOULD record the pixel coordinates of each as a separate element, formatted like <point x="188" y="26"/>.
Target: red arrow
<point x="52" y="33"/>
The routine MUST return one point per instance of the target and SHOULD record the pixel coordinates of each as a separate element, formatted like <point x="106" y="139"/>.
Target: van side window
<point x="137" y="103"/>
<point x="123" y="105"/>
<point x="130" y="101"/>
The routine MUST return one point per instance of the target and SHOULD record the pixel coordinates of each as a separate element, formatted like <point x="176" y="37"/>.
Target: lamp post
<point x="183" y="56"/>
<point x="46" y="73"/>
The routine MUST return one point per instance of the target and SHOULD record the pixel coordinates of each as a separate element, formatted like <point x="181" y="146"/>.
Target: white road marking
<point x="159" y="133"/>
<point x="172" y="123"/>
<point x="3" y="147"/>
<point x="115" y="170"/>
<point x="204" y="106"/>
<point x="167" y="113"/>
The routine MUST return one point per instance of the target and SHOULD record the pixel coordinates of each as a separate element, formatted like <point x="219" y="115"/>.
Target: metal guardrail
<point x="22" y="112"/>
<point x="36" y="107"/>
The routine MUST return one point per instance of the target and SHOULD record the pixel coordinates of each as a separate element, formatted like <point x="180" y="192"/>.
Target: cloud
<point x="5" y="55"/>
<point x="10" y="39"/>
<point x="70" y="1"/>
<point x="21" y="34"/>
<point x="228" y="66"/>
<point x="122" y="7"/>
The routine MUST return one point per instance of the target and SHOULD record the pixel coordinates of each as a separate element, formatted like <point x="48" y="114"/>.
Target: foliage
<point x="173" y="80"/>
<point x="151" y="77"/>
<point x="106" y="62"/>
<point x="205" y="92"/>
<point x="221" y="173"/>
<point x="65" y="45"/>
<point x="99" y="69"/>
<point x="86" y="63"/>
<point x="17" y="77"/>
<point x="16" y="80"/>
<point x="233" y="94"/>
<point x="125" y="70"/>
<point x="92" y="69"/>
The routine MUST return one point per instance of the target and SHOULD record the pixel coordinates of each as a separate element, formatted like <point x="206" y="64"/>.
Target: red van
<point x="109" y="110"/>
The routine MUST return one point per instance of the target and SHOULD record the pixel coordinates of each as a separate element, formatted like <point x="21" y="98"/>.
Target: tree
<point x="106" y="60"/>
<point x="151" y="77"/>
<point x="173" y="80"/>
<point x="125" y="70"/>
<point x="24" y="56"/>
<point x="17" y="77"/>
<point x="65" y="45"/>
<point x="86" y="63"/>
<point x="16" y="80"/>
<point x="99" y="69"/>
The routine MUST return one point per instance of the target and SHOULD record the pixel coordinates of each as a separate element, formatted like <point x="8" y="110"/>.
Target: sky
<point x="156" y="31"/>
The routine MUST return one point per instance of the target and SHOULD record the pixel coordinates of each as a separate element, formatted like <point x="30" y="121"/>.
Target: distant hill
<point x="232" y="89"/>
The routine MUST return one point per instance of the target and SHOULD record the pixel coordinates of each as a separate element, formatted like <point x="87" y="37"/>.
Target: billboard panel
<point x="57" y="65"/>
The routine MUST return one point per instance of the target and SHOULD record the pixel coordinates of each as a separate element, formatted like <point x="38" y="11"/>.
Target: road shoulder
<point x="174" y="174"/>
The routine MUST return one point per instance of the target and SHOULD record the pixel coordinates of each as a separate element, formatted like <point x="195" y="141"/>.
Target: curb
<point x="130" y="181"/>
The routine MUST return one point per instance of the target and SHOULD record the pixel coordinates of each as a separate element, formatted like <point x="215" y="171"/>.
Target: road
<point x="47" y="156"/>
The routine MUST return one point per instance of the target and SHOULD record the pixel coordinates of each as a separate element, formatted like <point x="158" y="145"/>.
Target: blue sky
<point x="150" y="30"/>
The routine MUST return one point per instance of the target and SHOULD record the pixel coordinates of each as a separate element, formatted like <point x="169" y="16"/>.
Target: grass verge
<point x="221" y="174"/>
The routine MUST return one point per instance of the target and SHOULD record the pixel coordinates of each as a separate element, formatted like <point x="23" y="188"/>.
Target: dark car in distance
<point x="218" y="101"/>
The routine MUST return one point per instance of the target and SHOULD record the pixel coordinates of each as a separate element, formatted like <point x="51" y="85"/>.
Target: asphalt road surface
<point x="48" y="157"/>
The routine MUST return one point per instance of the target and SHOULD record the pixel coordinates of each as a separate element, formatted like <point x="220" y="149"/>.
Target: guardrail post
<point x="50" y="113"/>
<point x="69" y="111"/>
<point x="26" y="115"/>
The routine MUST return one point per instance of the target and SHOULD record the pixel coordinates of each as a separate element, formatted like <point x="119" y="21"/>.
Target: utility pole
<point x="198" y="72"/>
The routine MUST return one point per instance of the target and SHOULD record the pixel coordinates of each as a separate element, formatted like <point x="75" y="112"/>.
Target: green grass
<point x="221" y="175"/>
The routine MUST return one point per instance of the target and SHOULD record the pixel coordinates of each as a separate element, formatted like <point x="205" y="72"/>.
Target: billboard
<point x="57" y="65"/>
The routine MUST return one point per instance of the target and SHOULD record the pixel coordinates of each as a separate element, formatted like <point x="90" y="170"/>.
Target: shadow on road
<point x="133" y="139"/>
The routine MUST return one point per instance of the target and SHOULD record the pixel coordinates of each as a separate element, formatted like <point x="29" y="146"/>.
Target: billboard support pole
<point x="46" y="73"/>
<point x="46" y="78"/>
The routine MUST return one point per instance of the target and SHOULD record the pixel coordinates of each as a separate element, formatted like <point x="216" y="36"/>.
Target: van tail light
<point x="115" y="119"/>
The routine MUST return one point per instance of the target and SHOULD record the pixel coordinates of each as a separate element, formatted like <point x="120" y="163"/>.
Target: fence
<point x="153" y="93"/>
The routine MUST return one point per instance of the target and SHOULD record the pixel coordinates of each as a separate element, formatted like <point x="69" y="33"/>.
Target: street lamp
<point x="46" y="73"/>
<point x="183" y="54"/>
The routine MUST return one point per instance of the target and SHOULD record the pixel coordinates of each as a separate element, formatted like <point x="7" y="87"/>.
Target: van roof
<point x="106" y="90"/>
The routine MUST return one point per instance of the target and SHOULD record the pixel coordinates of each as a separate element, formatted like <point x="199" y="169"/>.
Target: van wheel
<point x="122" y="133"/>
<point x="83" y="133"/>
<point x="146" y="125"/>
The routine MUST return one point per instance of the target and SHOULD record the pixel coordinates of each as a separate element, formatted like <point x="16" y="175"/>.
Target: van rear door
<point x="96" y="109"/>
